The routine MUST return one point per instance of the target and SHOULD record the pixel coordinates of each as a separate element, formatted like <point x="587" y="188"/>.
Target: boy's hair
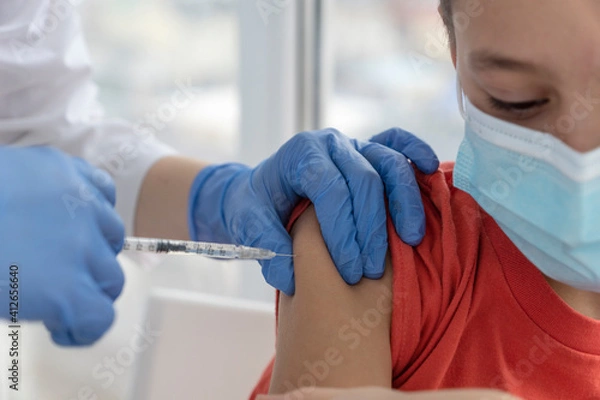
<point x="446" y="11"/>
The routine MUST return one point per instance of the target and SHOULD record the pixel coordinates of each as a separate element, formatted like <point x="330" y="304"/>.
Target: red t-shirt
<point x="471" y="311"/>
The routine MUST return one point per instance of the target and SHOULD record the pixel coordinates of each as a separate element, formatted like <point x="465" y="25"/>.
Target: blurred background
<point x="386" y="64"/>
<point x="389" y="66"/>
<point x="380" y="63"/>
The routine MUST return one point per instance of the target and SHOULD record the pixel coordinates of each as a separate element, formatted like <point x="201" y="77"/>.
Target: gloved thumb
<point x="419" y="152"/>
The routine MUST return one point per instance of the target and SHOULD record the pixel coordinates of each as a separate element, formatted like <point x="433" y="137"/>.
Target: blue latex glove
<point x="58" y="226"/>
<point x="233" y="203"/>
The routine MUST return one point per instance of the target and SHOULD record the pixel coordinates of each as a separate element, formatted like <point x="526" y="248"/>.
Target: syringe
<point x="212" y="250"/>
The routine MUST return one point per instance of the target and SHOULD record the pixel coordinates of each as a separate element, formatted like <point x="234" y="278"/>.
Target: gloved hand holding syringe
<point x="207" y="249"/>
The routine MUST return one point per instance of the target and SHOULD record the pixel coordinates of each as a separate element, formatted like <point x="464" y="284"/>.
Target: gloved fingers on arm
<point x="85" y="314"/>
<point x="97" y="178"/>
<point x="419" y="152"/>
<point x="322" y="182"/>
<point x="368" y="203"/>
<point x="402" y="189"/>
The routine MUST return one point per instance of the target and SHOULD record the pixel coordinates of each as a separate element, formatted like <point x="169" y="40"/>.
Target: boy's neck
<point x="586" y="303"/>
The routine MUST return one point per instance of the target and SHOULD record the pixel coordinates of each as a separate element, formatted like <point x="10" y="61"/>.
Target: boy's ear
<point x="452" y="43"/>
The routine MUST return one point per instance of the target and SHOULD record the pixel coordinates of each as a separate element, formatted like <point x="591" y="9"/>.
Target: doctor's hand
<point x="387" y="394"/>
<point x="58" y="242"/>
<point x="344" y="178"/>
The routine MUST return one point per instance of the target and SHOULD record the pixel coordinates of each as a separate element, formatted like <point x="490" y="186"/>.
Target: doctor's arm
<point x="48" y="98"/>
<point x="162" y="207"/>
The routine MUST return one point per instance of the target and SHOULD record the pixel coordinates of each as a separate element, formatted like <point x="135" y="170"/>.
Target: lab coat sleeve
<point x="47" y="97"/>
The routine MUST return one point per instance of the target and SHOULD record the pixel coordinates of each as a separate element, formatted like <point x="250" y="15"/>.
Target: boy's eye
<point x="520" y="109"/>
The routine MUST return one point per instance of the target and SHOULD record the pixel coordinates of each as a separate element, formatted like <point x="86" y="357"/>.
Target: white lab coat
<point x="47" y="97"/>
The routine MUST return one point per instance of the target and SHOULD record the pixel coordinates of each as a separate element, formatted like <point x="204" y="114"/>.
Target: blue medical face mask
<point x="543" y="194"/>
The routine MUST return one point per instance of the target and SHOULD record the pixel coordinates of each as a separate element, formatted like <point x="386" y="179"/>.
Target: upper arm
<point x="329" y="333"/>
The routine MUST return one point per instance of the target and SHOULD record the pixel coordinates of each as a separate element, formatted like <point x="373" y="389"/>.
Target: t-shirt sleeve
<point x="432" y="279"/>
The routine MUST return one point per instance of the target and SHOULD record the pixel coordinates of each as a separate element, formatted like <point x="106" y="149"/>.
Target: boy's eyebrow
<point x="486" y="59"/>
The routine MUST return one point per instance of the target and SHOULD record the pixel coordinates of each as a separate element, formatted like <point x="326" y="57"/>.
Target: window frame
<point x="285" y="72"/>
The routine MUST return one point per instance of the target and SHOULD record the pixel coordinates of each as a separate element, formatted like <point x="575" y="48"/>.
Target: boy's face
<point x="535" y="63"/>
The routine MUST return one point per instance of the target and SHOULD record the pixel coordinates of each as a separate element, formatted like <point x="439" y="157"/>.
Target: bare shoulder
<point x="330" y="333"/>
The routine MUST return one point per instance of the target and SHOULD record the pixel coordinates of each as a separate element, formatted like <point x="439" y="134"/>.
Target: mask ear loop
<point x="460" y="97"/>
